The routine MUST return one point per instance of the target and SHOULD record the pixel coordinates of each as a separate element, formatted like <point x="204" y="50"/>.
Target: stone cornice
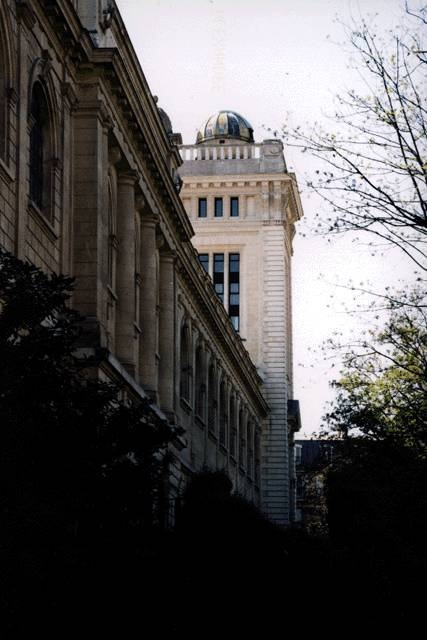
<point x="65" y="23"/>
<point x="146" y="133"/>
<point x="127" y="81"/>
<point x="297" y="206"/>
<point x="238" y="181"/>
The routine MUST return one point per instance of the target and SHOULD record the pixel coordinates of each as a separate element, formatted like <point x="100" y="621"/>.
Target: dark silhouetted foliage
<point x="81" y="472"/>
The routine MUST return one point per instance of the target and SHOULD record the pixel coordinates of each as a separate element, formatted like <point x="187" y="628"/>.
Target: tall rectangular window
<point x="203" y="208"/>
<point x="218" y="275"/>
<point x="234" y="207"/>
<point x="204" y="261"/>
<point x="218" y="208"/>
<point x="234" y="289"/>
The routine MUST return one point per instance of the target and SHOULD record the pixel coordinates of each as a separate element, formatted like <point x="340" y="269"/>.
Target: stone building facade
<point x="243" y="205"/>
<point x="89" y="187"/>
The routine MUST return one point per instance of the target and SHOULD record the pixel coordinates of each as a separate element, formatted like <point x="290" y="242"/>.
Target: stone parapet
<point x="232" y="158"/>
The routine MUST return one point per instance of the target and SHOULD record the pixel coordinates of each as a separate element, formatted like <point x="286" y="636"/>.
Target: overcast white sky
<point x="272" y="61"/>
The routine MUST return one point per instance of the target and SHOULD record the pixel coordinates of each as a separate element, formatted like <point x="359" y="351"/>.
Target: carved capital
<point x="129" y="177"/>
<point x="167" y="255"/>
<point x="149" y="218"/>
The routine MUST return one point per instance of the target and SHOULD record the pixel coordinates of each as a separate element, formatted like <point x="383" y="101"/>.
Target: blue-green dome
<point x="225" y="125"/>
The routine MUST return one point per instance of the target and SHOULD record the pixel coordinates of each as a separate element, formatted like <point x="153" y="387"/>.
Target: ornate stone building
<point x="243" y="204"/>
<point x="89" y="187"/>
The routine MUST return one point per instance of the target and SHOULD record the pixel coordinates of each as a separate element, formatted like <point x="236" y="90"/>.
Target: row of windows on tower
<point x="218" y="272"/>
<point x="218" y="207"/>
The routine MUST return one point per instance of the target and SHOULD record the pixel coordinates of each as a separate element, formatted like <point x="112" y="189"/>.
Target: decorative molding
<point x="140" y="202"/>
<point x="6" y="173"/>
<point x="45" y="63"/>
<point x="41" y="220"/>
<point x="25" y="13"/>
<point x="114" y="155"/>
<point x="108" y="15"/>
<point x="98" y="108"/>
<point x="69" y="93"/>
<point x="12" y="96"/>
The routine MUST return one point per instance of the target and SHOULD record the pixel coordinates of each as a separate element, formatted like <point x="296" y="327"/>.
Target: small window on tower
<point x="234" y="207"/>
<point x="204" y="261"/>
<point x="218" y="273"/>
<point x="218" y="208"/>
<point x="203" y="208"/>
<point x="234" y="290"/>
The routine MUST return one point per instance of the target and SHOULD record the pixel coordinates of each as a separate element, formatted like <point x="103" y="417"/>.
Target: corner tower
<point x="243" y="205"/>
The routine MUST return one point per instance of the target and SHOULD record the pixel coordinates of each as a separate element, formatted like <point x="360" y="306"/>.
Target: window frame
<point x="43" y="170"/>
<point x="202" y="211"/>
<point x="218" y="207"/>
<point x="234" y="200"/>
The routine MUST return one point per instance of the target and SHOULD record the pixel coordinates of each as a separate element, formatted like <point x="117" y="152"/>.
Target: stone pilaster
<point x="275" y="470"/>
<point x="148" y="304"/>
<point x="167" y="332"/>
<point x="125" y="315"/>
<point x="90" y="135"/>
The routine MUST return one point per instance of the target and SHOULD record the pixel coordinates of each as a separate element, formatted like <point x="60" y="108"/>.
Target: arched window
<point x="223" y="415"/>
<point x="40" y="151"/>
<point x="249" y="449"/>
<point x="212" y="402"/>
<point x="200" y="384"/>
<point x="242" y="440"/>
<point x="185" y="361"/>
<point x="233" y="428"/>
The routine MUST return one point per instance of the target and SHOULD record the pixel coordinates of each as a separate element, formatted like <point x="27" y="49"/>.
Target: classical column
<point x="167" y="331"/>
<point x="125" y="316"/>
<point x="147" y="309"/>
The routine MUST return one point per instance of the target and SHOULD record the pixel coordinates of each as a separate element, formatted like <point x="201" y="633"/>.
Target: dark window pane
<point x="234" y="289"/>
<point x="234" y="262"/>
<point x="204" y="261"/>
<point x="36" y="147"/>
<point x="234" y="207"/>
<point x="235" y="322"/>
<point x="218" y="207"/>
<point x="218" y="275"/>
<point x="203" y="208"/>
<point x="218" y="263"/>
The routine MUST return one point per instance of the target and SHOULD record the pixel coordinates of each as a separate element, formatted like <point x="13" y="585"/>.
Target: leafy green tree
<point x="382" y="394"/>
